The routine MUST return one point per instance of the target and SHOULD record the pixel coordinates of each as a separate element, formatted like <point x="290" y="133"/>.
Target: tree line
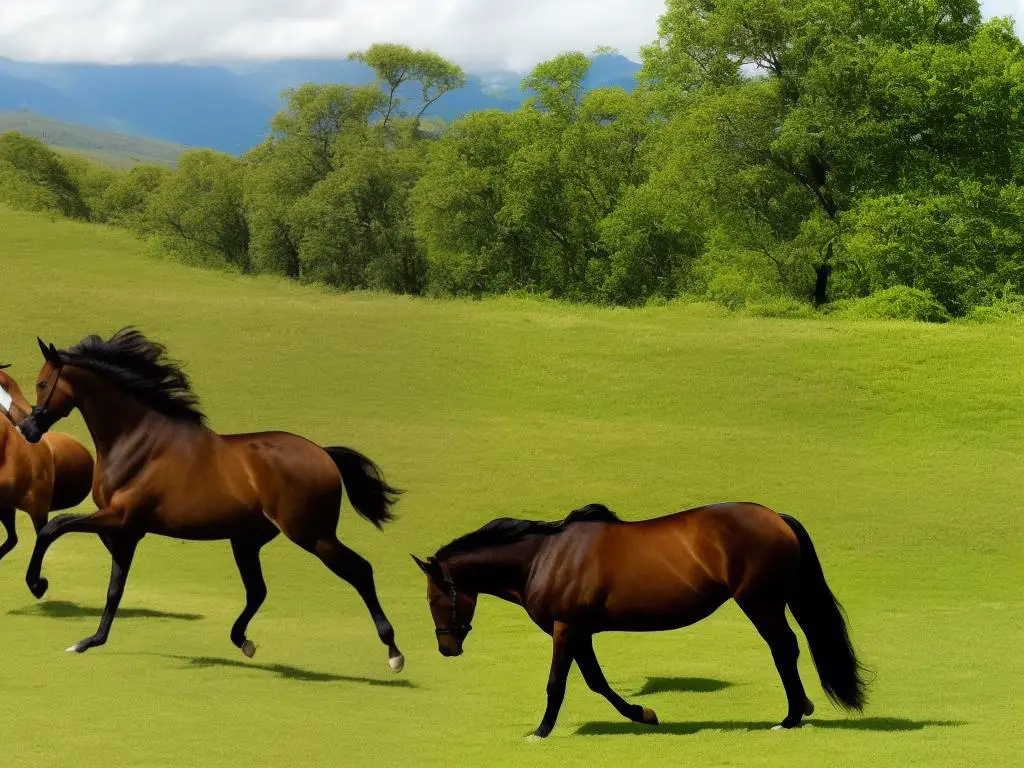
<point x="779" y="156"/>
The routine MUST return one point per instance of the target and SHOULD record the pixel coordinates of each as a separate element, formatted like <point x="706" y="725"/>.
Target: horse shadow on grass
<point x="286" y="671"/>
<point x="689" y="728"/>
<point x="682" y="685"/>
<point x="65" y="609"/>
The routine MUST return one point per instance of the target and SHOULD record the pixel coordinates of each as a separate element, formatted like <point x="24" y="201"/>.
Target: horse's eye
<point x="41" y="385"/>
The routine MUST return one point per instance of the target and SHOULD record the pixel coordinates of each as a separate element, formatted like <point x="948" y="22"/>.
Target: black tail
<point x="364" y="482"/>
<point x="822" y="619"/>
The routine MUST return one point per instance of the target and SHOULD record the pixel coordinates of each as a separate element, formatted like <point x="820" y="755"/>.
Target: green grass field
<point x="900" y="446"/>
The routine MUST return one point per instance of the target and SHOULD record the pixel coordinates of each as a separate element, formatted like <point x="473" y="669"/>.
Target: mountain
<point x="229" y="106"/>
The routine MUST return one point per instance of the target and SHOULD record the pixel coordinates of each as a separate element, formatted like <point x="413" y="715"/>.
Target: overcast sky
<point x="476" y="33"/>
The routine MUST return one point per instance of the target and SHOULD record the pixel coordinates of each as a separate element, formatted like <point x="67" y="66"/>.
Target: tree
<point x="817" y="98"/>
<point x="126" y="199"/>
<point x="397" y="65"/>
<point x="515" y="201"/>
<point x="198" y="212"/>
<point x="309" y="139"/>
<point x="32" y="176"/>
<point x="92" y="181"/>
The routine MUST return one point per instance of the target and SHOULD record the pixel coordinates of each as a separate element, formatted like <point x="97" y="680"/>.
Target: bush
<point x="33" y="178"/>
<point x="1005" y="307"/>
<point x="897" y="303"/>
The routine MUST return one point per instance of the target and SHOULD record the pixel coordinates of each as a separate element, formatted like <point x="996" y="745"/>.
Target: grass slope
<point x="898" y="445"/>
<point x="117" y="150"/>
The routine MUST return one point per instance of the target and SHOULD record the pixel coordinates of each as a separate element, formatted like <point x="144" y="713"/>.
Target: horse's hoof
<point x="533" y="738"/>
<point x="38" y="589"/>
<point x="808" y="708"/>
<point x="397" y="663"/>
<point x="248" y="648"/>
<point x="80" y="647"/>
<point x="784" y="727"/>
<point x="650" y="718"/>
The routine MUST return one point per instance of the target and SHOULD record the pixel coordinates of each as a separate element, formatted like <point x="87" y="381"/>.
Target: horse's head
<point x="55" y="397"/>
<point x="16" y="404"/>
<point x="451" y="608"/>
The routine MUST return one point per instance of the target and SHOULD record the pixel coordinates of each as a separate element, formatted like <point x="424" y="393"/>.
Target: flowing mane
<point x="508" y="530"/>
<point x="141" y="368"/>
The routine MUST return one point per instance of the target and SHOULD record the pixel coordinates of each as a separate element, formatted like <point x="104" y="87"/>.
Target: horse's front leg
<point x="121" y="546"/>
<point x="9" y="524"/>
<point x="98" y="522"/>
<point x="561" y="662"/>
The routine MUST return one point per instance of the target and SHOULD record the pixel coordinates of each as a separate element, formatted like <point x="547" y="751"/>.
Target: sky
<point x="481" y="34"/>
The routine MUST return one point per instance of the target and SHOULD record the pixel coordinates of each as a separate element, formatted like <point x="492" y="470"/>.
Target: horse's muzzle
<point x="36" y="424"/>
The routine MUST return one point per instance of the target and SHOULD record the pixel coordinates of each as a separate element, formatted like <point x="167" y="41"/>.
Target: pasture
<point x="898" y="445"/>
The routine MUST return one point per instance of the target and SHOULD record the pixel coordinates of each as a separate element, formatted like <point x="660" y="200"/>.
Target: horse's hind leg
<point x="770" y="620"/>
<point x="586" y="659"/>
<point x="247" y="557"/>
<point x="8" y="522"/>
<point x="348" y="565"/>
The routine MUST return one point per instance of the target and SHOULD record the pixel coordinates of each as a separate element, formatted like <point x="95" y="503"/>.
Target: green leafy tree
<point x="33" y="177"/>
<point x="310" y="137"/>
<point x="126" y="199"/>
<point x="198" y="213"/>
<point x="397" y="65"/>
<point x="832" y="101"/>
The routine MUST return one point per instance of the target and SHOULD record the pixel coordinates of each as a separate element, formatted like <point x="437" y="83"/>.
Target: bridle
<point x="39" y="416"/>
<point x="456" y="629"/>
<point x="40" y="410"/>
<point x="53" y="388"/>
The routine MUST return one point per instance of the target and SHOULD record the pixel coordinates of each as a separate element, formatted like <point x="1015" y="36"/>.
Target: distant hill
<point x="228" y="107"/>
<point x="117" y="150"/>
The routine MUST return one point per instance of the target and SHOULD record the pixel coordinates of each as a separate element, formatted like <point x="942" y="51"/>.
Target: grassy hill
<point x="117" y="150"/>
<point x="898" y="445"/>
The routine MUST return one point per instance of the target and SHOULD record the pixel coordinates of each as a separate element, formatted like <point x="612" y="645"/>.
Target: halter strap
<point x="453" y="595"/>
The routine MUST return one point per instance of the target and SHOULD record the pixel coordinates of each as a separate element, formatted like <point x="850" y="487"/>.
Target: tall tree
<point x="397" y="65"/>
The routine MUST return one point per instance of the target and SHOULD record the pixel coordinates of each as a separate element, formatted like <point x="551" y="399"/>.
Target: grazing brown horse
<point x="52" y="475"/>
<point x="161" y="470"/>
<point x="595" y="573"/>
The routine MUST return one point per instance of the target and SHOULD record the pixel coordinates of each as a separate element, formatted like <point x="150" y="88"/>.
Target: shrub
<point x="897" y="303"/>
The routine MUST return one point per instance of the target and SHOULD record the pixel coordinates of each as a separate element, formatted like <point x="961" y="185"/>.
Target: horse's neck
<point x="501" y="571"/>
<point x="111" y="415"/>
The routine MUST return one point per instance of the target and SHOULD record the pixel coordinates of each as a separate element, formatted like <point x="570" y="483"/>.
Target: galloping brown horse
<point x="161" y="470"/>
<point x="594" y="573"/>
<point x="38" y="479"/>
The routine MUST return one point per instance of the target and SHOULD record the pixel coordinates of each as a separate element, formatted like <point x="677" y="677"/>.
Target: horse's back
<point x="669" y="571"/>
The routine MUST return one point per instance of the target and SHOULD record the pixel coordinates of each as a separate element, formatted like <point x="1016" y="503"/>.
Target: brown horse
<point x="595" y="573"/>
<point x="53" y="475"/>
<point x="161" y="470"/>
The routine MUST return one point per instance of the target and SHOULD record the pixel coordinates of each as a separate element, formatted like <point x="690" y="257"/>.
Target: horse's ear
<point x="50" y="353"/>
<point x="423" y="566"/>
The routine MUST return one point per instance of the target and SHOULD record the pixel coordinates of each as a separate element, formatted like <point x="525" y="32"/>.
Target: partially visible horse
<point x="161" y="470"/>
<point x="593" y="572"/>
<point x="38" y="479"/>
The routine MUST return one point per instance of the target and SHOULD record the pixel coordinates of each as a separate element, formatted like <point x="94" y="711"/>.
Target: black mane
<point x="508" y="530"/>
<point x="140" y="367"/>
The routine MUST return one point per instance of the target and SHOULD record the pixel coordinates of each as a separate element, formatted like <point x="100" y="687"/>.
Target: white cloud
<point x="478" y="33"/>
<point x="484" y="33"/>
